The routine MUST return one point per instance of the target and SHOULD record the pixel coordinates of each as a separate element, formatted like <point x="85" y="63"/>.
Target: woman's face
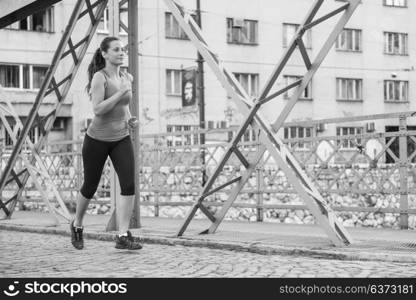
<point x="115" y="53"/>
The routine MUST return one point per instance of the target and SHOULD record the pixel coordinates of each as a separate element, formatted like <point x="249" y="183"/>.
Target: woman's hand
<point x="133" y="123"/>
<point x="125" y="86"/>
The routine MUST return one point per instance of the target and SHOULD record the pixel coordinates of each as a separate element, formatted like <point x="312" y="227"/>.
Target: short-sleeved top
<point x="112" y="126"/>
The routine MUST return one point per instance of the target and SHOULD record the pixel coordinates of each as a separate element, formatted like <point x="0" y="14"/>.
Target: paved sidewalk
<point x="264" y="238"/>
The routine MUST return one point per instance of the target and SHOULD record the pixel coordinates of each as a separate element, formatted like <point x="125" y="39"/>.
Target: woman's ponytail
<point x="98" y="62"/>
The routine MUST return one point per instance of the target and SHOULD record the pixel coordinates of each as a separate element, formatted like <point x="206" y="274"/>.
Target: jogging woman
<point x="108" y="135"/>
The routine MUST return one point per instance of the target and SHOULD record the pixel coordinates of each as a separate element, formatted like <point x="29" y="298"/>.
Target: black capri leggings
<point x="94" y="156"/>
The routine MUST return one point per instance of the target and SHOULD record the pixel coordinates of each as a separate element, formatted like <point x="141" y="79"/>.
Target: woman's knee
<point x="127" y="188"/>
<point x="88" y="191"/>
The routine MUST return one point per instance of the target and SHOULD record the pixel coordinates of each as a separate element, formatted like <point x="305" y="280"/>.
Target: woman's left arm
<point x="132" y="120"/>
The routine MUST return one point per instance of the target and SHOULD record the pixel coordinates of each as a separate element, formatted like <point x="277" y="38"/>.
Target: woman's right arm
<point x="101" y="105"/>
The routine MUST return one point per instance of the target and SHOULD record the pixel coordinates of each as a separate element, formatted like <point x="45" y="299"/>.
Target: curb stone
<point x="231" y="246"/>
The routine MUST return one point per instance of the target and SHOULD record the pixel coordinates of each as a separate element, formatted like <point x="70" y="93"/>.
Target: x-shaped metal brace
<point x="268" y="138"/>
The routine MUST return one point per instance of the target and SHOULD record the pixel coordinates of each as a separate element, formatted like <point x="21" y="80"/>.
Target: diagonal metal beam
<point x="317" y="62"/>
<point x="34" y="172"/>
<point x="241" y="157"/>
<point x="213" y="191"/>
<point x="291" y="48"/>
<point x="304" y="53"/>
<point x="326" y="17"/>
<point x="278" y="93"/>
<point x="305" y="188"/>
<point x="101" y="4"/>
<point x="206" y="212"/>
<point x="219" y="216"/>
<point x="38" y="101"/>
<point x="25" y="11"/>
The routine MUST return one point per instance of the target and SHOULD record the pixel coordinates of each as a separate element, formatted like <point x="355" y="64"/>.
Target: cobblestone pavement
<point x="42" y="255"/>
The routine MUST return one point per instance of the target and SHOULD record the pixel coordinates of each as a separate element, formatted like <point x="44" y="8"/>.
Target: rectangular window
<point x="26" y="76"/>
<point x="242" y="31"/>
<point x="397" y="3"/>
<point x="289" y="31"/>
<point x="33" y="134"/>
<point x="307" y="93"/>
<point x="39" y="74"/>
<point x="172" y="28"/>
<point x="296" y="132"/>
<point x="349" y="40"/>
<point x="349" y="143"/>
<point x="250" y="82"/>
<point x="41" y="21"/>
<point x="104" y="22"/>
<point x="32" y="76"/>
<point x="174" y="82"/>
<point x="395" y="43"/>
<point x="182" y="140"/>
<point x="124" y="18"/>
<point x="349" y="89"/>
<point x="59" y="124"/>
<point x="396" y="90"/>
<point x="9" y="76"/>
<point x="7" y="138"/>
<point x="249" y="136"/>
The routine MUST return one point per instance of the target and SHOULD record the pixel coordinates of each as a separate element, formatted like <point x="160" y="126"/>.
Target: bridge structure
<point x="250" y="108"/>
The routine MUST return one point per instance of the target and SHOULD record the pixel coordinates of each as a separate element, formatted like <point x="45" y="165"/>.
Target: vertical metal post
<point x="404" y="205"/>
<point x="156" y="171"/>
<point x="260" y="210"/>
<point x="259" y="173"/>
<point x="114" y="30"/>
<point x="133" y="47"/>
<point x="201" y="97"/>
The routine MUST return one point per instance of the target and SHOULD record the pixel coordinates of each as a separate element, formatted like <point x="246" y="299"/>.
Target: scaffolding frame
<point x="268" y="138"/>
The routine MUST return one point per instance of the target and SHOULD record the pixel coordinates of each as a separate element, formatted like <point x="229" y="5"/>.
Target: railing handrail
<point x="351" y="119"/>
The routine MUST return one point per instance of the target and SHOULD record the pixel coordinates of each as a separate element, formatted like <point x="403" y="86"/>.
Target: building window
<point x="104" y="22"/>
<point x="250" y="83"/>
<point x="42" y="21"/>
<point x="249" y="136"/>
<point x="33" y="134"/>
<point x="9" y="76"/>
<point x="395" y="43"/>
<point x="39" y="74"/>
<point x="241" y="31"/>
<point x="349" y="40"/>
<point x="59" y="124"/>
<point x="297" y="132"/>
<point x="186" y="138"/>
<point x="32" y="76"/>
<point x="124" y="18"/>
<point x="307" y="93"/>
<point x="397" y="3"/>
<point x="172" y="28"/>
<point x="289" y="31"/>
<point x="396" y="90"/>
<point x="174" y="82"/>
<point x="349" y="143"/>
<point x="349" y="89"/>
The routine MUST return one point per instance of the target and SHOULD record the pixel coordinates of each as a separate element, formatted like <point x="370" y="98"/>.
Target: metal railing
<point x="369" y="172"/>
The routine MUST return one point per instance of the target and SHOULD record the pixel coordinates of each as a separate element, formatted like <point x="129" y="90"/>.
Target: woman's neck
<point x="112" y="70"/>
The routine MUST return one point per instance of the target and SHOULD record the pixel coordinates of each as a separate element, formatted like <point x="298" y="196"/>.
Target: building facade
<point x="370" y="70"/>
